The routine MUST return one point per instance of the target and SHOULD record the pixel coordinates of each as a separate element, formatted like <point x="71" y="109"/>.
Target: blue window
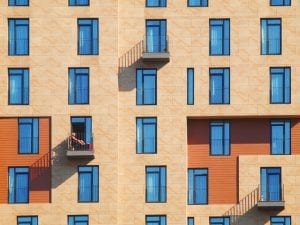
<point x="270" y="36"/>
<point x="270" y="181"/>
<point x="156" y="184"/>
<point x="28" y="135"/>
<point x="219" y="86"/>
<point x="280" y="220"/>
<point x="78" y="86"/>
<point x="79" y="2"/>
<point x="280" y="137"/>
<point x="156" y="3"/>
<point x="18" y="37"/>
<point x="190" y="221"/>
<point x="197" y="3"/>
<point x="18" y="184"/>
<point x="219" y="221"/>
<point x="88" y="184"/>
<point x="88" y="37"/>
<point x="18" y="2"/>
<point x="190" y="86"/>
<point x="78" y="220"/>
<point x="82" y="128"/>
<point x="219" y="31"/>
<point x="219" y="138"/>
<point x="280" y="85"/>
<point x="146" y="135"/>
<point x="280" y="2"/>
<point x="156" y="220"/>
<point x="197" y="186"/>
<point x="18" y="86"/>
<point x="146" y="86"/>
<point x="27" y="220"/>
<point x="156" y="36"/>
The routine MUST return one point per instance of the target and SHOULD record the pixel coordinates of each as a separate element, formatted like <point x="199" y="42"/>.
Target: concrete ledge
<point x="156" y="56"/>
<point x="80" y="154"/>
<point x="270" y="205"/>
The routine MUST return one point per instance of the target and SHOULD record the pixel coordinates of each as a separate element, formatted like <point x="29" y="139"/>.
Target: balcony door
<point x="271" y="184"/>
<point x="156" y="36"/>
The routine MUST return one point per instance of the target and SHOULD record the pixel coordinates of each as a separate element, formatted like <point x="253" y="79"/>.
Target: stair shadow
<point x="40" y="173"/>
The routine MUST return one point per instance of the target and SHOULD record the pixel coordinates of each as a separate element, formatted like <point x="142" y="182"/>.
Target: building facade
<point x="150" y="112"/>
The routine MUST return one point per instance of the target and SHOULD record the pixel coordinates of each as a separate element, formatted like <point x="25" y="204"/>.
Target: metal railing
<point x="156" y="44"/>
<point x="271" y="193"/>
<point x="79" y="143"/>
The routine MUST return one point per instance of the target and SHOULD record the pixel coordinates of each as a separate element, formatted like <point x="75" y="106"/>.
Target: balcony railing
<point x="271" y="197"/>
<point x="78" y="147"/>
<point x="156" y="48"/>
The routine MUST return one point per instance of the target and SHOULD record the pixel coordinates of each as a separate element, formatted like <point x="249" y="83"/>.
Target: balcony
<point x="78" y="148"/>
<point x="156" y="49"/>
<point x="272" y="198"/>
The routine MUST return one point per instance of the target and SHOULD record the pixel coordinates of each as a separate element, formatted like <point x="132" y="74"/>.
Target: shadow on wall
<point x="62" y="167"/>
<point x="129" y="62"/>
<point x="40" y="174"/>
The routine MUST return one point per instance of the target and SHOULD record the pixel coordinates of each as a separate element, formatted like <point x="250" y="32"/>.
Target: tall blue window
<point x="280" y="2"/>
<point x="28" y="135"/>
<point x="219" y="31"/>
<point x="88" y="184"/>
<point x="82" y="127"/>
<point x="270" y="36"/>
<point x="156" y="3"/>
<point x="27" y="220"/>
<point x="18" y="185"/>
<point x="146" y="135"/>
<point x="190" y="86"/>
<point x="280" y="220"/>
<point x="197" y="186"/>
<point x="146" y="86"/>
<point x="18" y="2"/>
<point x="280" y="137"/>
<point x="270" y="181"/>
<point x="156" y="184"/>
<point x="156" y="220"/>
<point x="190" y="221"/>
<point x="18" y="36"/>
<point x="156" y="36"/>
<point x="280" y="85"/>
<point x="219" y="138"/>
<point x="219" y="86"/>
<point x="88" y="37"/>
<point x="219" y="221"/>
<point x="78" y="86"/>
<point x="79" y="2"/>
<point x="18" y="86"/>
<point x="197" y="3"/>
<point x="78" y="220"/>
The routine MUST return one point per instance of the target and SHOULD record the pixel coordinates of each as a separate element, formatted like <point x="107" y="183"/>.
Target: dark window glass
<point x="28" y="135"/>
<point x="219" y="138"/>
<point x="88" y="184"/>
<point x="81" y="133"/>
<point x="280" y="137"/>
<point x="280" y="85"/>
<point x="270" y="181"/>
<point x="219" y="30"/>
<point x="219" y="86"/>
<point x="156" y="184"/>
<point x="197" y="186"/>
<point x="146" y="135"/>
<point x="88" y="37"/>
<point x="270" y="36"/>
<point x="78" y="86"/>
<point x="190" y="86"/>
<point x="190" y="221"/>
<point x="18" y="185"/>
<point x="146" y="87"/>
<point x="18" y="36"/>
<point x="18" y="86"/>
<point x="156" y="36"/>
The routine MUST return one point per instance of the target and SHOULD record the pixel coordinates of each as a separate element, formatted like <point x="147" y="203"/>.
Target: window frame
<point x="223" y="37"/>
<point x="267" y="185"/>
<point x="190" y="87"/>
<point x="92" y="181"/>
<point x="14" y="39"/>
<point x="31" y="217"/>
<point x="23" y="95"/>
<point x="32" y="135"/>
<point x="283" y="121"/>
<point x="219" y="217"/>
<point x="211" y="75"/>
<point x="160" y="4"/>
<point x="284" y="74"/>
<point x="190" y="220"/>
<point x="156" y="135"/>
<point x="75" y="86"/>
<point x="197" y="6"/>
<point x="161" y="34"/>
<point x="69" y="216"/>
<point x="222" y="123"/>
<point x="206" y="174"/>
<point x="143" y="88"/>
<point x="15" y="186"/>
<point x="283" y="3"/>
<point x="95" y="51"/>
<point x="76" y="4"/>
<point x="267" y="34"/>
<point x="15" y="4"/>
<point x="160" y="187"/>
<point x="284" y="217"/>
<point x="157" y="222"/>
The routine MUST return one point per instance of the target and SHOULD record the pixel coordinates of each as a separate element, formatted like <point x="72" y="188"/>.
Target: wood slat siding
<point x="40" y="166"/>
<point x="248" y="137"/>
